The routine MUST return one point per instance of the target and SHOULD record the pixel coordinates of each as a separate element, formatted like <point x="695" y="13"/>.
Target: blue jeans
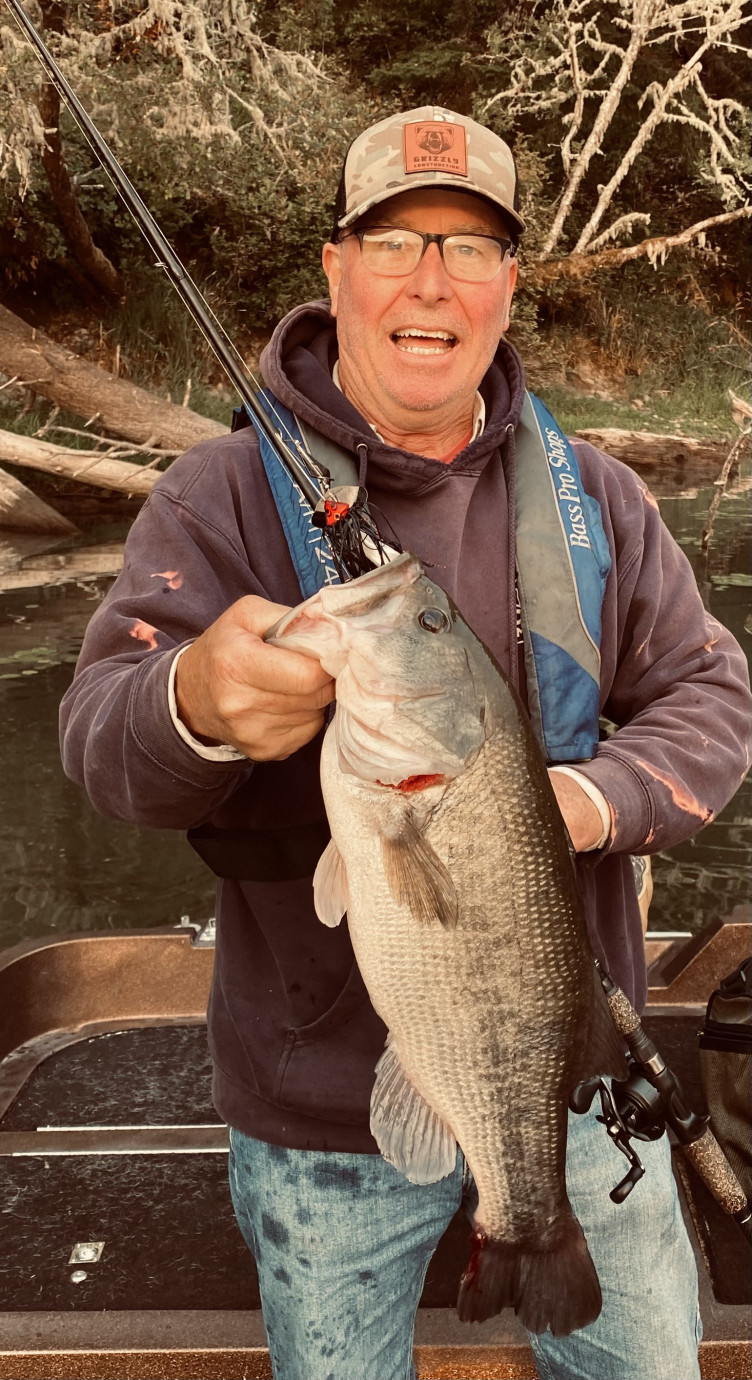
<point x="342" y="1244"/>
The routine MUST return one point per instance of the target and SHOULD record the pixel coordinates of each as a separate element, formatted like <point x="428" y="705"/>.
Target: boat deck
<point x="108" y="1135"/>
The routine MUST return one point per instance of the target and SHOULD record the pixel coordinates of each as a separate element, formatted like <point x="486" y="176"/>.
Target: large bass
<point x="449" y="856"/>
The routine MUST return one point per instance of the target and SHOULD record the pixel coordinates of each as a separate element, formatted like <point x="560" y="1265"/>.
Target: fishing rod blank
<point x="211" y="329"/>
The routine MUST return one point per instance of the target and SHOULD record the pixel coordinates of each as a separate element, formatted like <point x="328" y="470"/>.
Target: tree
<point x="612" y="75"/>
<point x="229" y="138"/>
<point x="234" y="133"/>
<point x="62" y="186"/>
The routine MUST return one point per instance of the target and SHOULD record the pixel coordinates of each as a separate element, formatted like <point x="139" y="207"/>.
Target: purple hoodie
<point x="293" y="1035"/>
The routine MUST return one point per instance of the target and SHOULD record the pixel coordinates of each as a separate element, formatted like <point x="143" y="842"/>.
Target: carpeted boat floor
<point x="171" y="1241"/>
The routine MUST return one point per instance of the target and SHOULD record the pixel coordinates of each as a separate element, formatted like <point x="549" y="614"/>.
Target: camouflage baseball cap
<point x="427" y="147"/>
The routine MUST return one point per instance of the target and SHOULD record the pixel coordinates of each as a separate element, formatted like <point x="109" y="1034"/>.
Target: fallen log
<point x="99" y="470"/>
<point x="121" y="407"/>
<point x="650" y="448"/>
<point x="16" y="547"/>
<point x="82" y="563"/>
<point x="23" y="511"/>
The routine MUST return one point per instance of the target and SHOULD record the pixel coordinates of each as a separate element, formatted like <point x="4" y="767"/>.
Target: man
<point x="181" y="716"/>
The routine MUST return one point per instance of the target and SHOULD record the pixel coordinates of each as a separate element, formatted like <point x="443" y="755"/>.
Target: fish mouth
<point x="302" y="627"/>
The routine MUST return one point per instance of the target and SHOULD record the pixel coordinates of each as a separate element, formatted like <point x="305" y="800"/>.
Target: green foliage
<point x="403" y="55"/>
<point x="233" y="123"/>
<point x="668" y="347"/>
<point x="671" y="411"/>
<point x="236" y="150"/>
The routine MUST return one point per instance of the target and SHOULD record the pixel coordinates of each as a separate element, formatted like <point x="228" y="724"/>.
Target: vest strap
<point x="306" y="543"/>
<point x="563" y="561"/>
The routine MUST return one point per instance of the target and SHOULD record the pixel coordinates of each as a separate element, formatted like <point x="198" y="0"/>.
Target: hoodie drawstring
<point x="361" y="450"/>
<point x="509" y="460"/>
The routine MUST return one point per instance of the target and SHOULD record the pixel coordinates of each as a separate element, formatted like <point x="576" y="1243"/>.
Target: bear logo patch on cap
<point x="435" y="146"/>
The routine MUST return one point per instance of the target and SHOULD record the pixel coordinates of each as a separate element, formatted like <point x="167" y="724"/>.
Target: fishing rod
<point x="642" y="1105"/>
<point x="651" y="1096"/>
<point x="312" y="478"/>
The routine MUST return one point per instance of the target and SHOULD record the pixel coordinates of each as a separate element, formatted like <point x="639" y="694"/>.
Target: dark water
<point x="710" y="873"/>
<point x="64" y="868"/>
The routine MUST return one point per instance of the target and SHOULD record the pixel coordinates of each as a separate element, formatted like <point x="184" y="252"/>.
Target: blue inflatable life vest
<point x="562" y="558"/>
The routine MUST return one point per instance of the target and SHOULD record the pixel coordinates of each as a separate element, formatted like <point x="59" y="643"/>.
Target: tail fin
<point x="554" y="1287"/>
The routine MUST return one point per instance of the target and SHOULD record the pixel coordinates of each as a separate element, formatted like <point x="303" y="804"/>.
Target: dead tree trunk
<point x="650" y="448"/>
<point x="25" y="571"/>
<point x="99" y="470"/>
<point x="120" y="407"/>
<point x="88" y="256"/>
<point x="23" y="511"/>
<point x="91" y="259"/>
<point x="580" y="265"/>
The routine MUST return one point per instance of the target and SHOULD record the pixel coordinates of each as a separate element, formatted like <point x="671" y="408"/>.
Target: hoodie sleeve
<point x="675" y="681"/>
<point x="181" y="571"/>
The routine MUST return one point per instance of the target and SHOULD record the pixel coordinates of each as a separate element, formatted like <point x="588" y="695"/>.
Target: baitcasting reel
<point x="640" y="1107"/>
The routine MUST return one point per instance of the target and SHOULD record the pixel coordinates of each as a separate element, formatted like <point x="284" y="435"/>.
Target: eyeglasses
<point x="395" y="253"/>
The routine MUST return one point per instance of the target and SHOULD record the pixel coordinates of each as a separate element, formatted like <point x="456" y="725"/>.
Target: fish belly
<point x="483" y="1017"/>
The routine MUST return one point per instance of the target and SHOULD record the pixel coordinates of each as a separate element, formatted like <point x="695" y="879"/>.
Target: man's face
<point x="388" y="373"/>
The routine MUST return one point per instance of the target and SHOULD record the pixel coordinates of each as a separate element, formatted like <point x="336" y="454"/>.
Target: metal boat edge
<point x="60" y="990"/>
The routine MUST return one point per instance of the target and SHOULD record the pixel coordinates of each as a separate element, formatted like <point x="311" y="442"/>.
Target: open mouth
<point x="414" y="341"/>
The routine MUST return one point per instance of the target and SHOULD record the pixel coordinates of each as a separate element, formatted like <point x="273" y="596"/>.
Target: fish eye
<point x="434" y="620"/>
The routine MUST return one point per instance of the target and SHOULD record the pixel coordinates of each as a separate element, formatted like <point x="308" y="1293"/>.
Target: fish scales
<point x="446" y="1026"/>
<point x="449" y="856"/>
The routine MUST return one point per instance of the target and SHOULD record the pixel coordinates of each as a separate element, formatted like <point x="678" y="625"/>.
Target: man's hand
<point x="231" y="687"/>
<point x="581" y="816"/>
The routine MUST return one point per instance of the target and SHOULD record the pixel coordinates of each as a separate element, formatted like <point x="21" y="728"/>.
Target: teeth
<point x="416" y="333"/>
<point x="426" y="335"/>
<point x="420" y="350"/>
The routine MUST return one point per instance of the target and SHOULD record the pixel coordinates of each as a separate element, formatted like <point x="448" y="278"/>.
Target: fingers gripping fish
<point x="449" y="856"/>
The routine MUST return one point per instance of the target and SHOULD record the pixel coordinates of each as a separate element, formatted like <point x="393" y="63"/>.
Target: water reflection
<point x="65" y="868"/>
<point x="709" y="874"/>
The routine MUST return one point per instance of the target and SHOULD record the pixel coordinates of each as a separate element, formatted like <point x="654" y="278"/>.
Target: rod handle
<point x="708" y="1159"/>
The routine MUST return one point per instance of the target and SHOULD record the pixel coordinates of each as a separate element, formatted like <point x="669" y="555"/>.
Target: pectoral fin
<point x="331" y="896"/>
<point x="408" y="1132"/>
<point x="417" y="877"/>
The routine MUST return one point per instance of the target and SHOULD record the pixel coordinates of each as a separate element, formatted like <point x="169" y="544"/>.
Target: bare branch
<point x="575" y="119"/>
<point x="619" y="226"/>
<point x="113" y="446"/>
<point x="725" y="171"/>
<point x="654" y="249"/>
<point x="741" y="410"/>
<point x="642" y="19"/>
<point x="569" y="63"/>
<point x="43" y="455"/>
<point x="732" y="16"/>
<point x="729" y="469"/>
<point x="257" y="115"/>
